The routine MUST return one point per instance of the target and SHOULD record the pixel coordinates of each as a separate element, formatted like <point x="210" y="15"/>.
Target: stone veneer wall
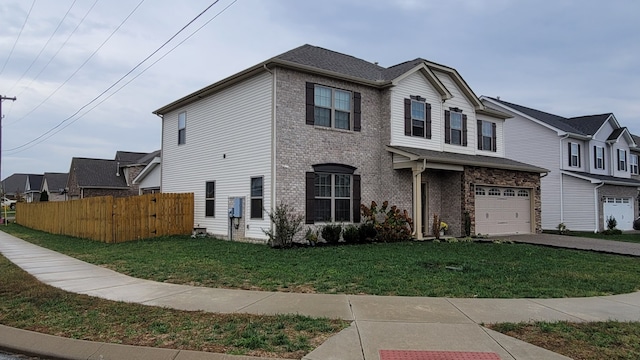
<point x="486" y="176"/>
<point x="299" y="146"/>
<point x="619" y="192"/>
<point x="108" y="192"/>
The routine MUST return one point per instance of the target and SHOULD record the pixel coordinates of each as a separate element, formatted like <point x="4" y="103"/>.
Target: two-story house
<point x="324" y="132"/>
<point x="593" y="164"/>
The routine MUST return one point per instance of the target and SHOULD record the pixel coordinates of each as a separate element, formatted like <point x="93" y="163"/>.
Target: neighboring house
<point x="32" y="188"/>
<point x="593" y="162"/>
<point x="325" y="132"/>
<point x="54" y="184"/>
<point x="14" y="186"/>
<point x="148" y="180"/>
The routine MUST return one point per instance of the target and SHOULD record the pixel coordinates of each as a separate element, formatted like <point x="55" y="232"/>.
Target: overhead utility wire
<point x="18" y="38"/>
<point x="84" y="63"/>
<point x="34" y="143"/>
<point x="51" y="59"/>
<point x="45" y="45"/>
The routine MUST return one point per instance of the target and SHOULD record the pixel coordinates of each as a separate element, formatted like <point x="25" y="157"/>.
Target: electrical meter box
<point x="236" y="210"/>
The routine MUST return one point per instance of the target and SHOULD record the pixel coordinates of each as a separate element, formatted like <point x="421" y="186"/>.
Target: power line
<point x="53" y="57"/>
<point x="83" y="64"/>
<point x="42" y="137"/>
<point x="45" y="45"/>
<point x="18" y="38"/>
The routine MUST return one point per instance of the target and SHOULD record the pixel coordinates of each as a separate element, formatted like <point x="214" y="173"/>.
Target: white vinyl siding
<point x="417" y="85"/>
<point x="229" y="141"/>
<point x="152" y="179"/>
<point x="579" y="206"/>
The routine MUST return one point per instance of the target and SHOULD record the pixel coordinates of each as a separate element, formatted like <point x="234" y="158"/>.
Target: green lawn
<point x="585" y="341"/>
<point x="26" y="303"/>
<point x="623" y="237"/>
<point x="407" y="269"/>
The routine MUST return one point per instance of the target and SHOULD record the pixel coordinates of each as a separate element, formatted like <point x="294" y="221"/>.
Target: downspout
<point x="597" y="207"/>
<point x="161" y="148"/>
<point x="562" y="182"/>
<point x="273" y="140"/>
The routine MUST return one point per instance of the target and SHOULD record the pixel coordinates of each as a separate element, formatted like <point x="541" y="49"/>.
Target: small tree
<point x="611" y="223"/>
<point x="286" y="225"/>
<point x="44" y="196"/>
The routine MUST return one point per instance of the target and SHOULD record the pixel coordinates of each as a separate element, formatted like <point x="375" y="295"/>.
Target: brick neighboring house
<point x="325" y="131"/>
<point x="54" y="184"/>
<point x="103" y="177"/>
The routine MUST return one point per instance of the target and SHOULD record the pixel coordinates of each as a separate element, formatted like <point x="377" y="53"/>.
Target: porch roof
<point x="599" y="179"/>
<point x="463" y="159"/>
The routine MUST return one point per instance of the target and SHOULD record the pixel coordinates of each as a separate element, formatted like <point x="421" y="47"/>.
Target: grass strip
<point x="484" y="270"/>
<point x="26" y="303"/>
<point x="581" y="341"/>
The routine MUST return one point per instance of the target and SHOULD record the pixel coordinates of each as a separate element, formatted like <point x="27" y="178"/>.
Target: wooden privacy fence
<point x="112" y="220"/>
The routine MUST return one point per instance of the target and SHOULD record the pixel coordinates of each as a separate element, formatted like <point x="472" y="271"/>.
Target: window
<point x="417" y="117"/>
<point x="182" y="128"/>
<point x="598" y="156"/>
<point x="210" y="199"/>
<point x="455" y="127"/>
<point x="256" y="197"/>
<point x="509" y="192"/>
<point x="633" y="164"/>
<point x="622" y="160"/>
<point x="333" y="108"/>
<point x="333" y="194"/>
<point x="494" y="192"/>
<point x="480" y="191"/>
<point x="523" y="193"/>
<point x="574" y="154"/>
<point x="486" y="135"/>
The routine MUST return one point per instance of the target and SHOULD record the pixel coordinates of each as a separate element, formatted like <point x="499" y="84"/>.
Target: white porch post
<point x="417" y="168"/>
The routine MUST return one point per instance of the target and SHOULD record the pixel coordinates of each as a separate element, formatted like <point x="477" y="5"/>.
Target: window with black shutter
<point x="417" y="117"/>
<point x="455" y="124"/>
<point x="333" y="108"/>
<point x="332" y="194"/>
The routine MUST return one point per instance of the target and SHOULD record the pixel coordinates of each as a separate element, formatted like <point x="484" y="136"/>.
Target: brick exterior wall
<point x="484" y="176"/>
<point x="445" y="200"/>
<point x="299" y="146"/>
<point x="108" y="192"/>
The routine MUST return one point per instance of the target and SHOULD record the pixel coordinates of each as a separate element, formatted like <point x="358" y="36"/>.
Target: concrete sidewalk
<point x="379" y="322"/>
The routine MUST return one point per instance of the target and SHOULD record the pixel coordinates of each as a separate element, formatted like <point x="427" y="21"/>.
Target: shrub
<point x="311" y="236"/>
<point x="612" y="232"/>
<point x="331" y="233"/>
<point x="367" y="232"/>
<point x="351" y="234"/>
<point x="286" y="224"/>
<point x="562" y="229"/>
<point x="44" y="196"/>
<point x="611" y="223"/>
<point x="390" y="223"/>
<point x="636" y="224"/>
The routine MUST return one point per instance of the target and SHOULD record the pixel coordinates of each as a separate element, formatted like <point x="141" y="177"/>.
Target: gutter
<point x="561" y="181"/>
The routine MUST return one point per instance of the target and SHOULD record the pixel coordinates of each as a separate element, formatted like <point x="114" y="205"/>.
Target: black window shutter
<point x="569" y="154"/>
<point x="356" y="198"/>
<point x="357" y="111"/>
<point x="494" y="137"/>
<point x="407" y="117"/>
<point x="311" y="197"/>
<point x="447" y="127"/>
<point x="595" y="157"/>
<point x="480" y="144"/>
<point x="464" y="130"/>
<point x="603" y="160"/>
<point x="427" y="131"/>
<point x="310" y="96"/>
<point x="579" y="155"/>
<point x="625" y="161"/>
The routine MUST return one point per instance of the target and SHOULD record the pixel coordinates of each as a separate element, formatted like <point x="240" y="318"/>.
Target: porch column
<point x="417" y="168"/>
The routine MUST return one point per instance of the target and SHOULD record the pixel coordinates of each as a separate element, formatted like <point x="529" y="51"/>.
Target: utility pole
<point x="3" y="190"/>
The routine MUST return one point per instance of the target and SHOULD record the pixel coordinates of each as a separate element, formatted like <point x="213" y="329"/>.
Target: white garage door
<point x="503" y="210"/>
<point x="621" y="209"/>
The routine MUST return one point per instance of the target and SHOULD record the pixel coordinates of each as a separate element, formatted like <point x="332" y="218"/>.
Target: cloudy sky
<point x="63" y="59"/>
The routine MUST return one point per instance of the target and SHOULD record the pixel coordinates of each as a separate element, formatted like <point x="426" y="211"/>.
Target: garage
<point x="621" y="209"/>
<point x="501" y="210"/>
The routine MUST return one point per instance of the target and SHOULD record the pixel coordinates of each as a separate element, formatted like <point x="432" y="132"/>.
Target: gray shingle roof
<point x="97" y="173"/>
<point x="616" y="133"/>
<point x="470" y="160"/>
<point x="35" y="182"/>
<point x="636" y="139"/>
<point x="608" y="179"/>
<point x="15" y="184"/>
<point x="145" y="160"/>
<point x="589" y="124"/>
<point x="128" y="157"/>
<point x="554" y="120"/>
<point x="56" y="181"/>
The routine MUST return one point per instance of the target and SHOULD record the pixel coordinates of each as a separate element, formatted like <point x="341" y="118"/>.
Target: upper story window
<point x="455" y="127"/>
<point x="622" y="160"/>
<point x="487" y="135"/>
<point x="256" y="197"/>
<point x="574" y="154"/>
<point x="182" y="128"/>
<point x="333" y="108"/>
<point x="333" y="194"/>
<point x="598" y="157"/>
<point x="633" y="164"/>
<point x="417" y="117"/>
